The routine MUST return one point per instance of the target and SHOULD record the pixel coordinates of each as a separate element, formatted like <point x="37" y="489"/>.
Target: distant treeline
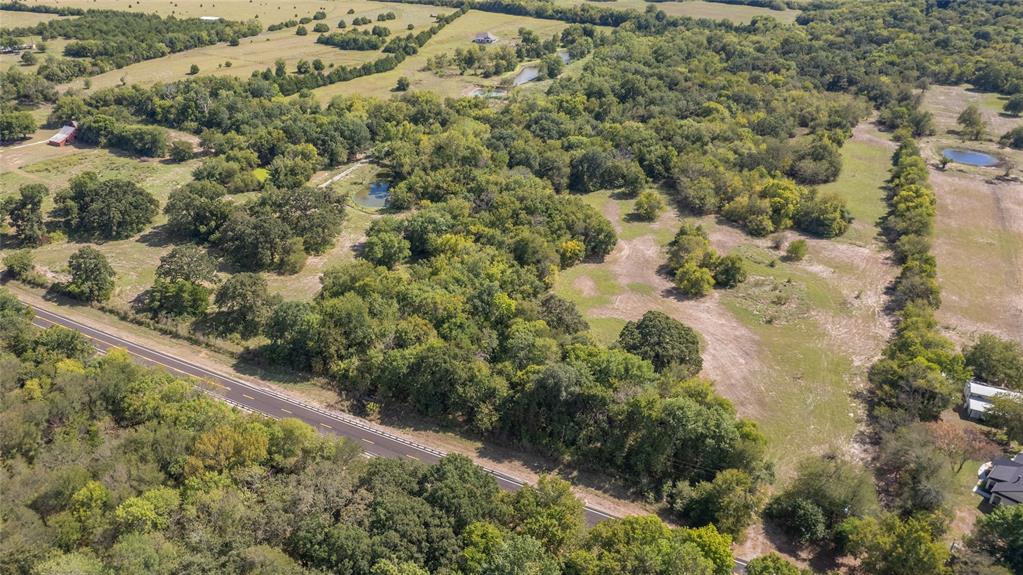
<point x="109" y="39"/>
<point x="58" y="10"/>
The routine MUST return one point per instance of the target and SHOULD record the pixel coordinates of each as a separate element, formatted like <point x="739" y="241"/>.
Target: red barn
<point x="66" y="135"/>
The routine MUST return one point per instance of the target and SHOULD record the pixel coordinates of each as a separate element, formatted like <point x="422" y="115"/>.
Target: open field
<point x="15" y="19"/>
<point x="947" y="102"/>
<point x="260" y="52"/>
<point x="268" y="11"/>
<point x="697" y="9"/>
<point x="457" y="34"/>
<point x="796" y="338"/>
<point x="134" y="259"/>
<point x="979" y="225"/>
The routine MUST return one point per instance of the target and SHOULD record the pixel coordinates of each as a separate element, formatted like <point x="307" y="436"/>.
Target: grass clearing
<point x="865" y="158"/>
<point x="456" y="34"/>
<point x="258" y="53"/>
<point x="796" y="338"/>
<point x="17" y="19"/>
<point x="267" y="11"/>
<point x="979" y="226"/>
<point x="696" y="9"/>
<point x="133" y="259"/>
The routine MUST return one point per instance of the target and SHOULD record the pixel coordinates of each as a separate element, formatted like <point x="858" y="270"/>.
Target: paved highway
<point x="373" y="440"/>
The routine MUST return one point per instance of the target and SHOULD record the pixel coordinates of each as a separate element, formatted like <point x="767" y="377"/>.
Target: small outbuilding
<point x="978" y="396"/>
<point x="65" y="136"/>
<point x="210" y="18"/>
<point x="485" y="38"/>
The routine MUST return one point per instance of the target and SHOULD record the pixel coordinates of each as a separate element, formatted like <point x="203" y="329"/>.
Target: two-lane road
<point x="373" y="439"/>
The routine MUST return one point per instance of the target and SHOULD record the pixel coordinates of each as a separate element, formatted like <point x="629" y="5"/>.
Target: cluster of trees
<point x="110" y="209"/>
<point x="25" y="213"/>
<point x="200" y="486"/>
<point x="696" y="266"/>
<point x="15" y="125"/>
<point x="356" y="39"/>
<point x="945" y="42"/>
<point x="108" y="39"/>
<point x="41" y="9"/>
<point x="274" y="232"/>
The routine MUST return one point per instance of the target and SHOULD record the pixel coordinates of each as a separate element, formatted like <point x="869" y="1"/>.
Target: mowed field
<point x="458" y="34"/>
<point x="260" y="52"/>
<point x="14" y="19"/>
<point x="267" y="11"/>
<point x="791" y="346"/>
<point x="979" y="226"/>
<point x="696" y="9"/>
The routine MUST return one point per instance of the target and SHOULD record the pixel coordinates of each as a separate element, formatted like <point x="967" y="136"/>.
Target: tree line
<point x="113" y="467"/>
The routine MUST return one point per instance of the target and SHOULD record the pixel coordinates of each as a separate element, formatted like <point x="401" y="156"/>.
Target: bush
<point x="181" y="151"/>
<point x="649" y="205"/>
<point x="1015" y="105"/>
<point x="796" y="250"/>
<point x="402" y="85"/>
<point x="193" y="69"/>
<point x="20" y="263"/>
<point x="301" y="31"/>
<point x="1013" y="138"/>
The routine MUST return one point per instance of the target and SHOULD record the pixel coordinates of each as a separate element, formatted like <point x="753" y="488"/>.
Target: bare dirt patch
<point x="731" y="357"/>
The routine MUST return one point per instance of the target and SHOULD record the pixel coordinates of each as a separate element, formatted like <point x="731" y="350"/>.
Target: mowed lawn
<point x="696" y="9"/>
<point x="258" y="53"/>
<point x="458" y="34"/>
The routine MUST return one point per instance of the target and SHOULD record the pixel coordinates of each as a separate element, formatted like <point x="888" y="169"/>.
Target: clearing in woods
<point x="458" y="34"/>
<point x="979" y="226"/>
<point x="791" y="346"/>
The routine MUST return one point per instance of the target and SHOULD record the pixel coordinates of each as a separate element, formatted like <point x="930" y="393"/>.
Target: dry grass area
<point x="947" y="102"/>
<point x="15" y="19"/>
<point x="979" y="225"/>
<point x="267" y="11"/>
<point x="697" y="9"/>
<point x="260" y="52"/>
<point x="456" y="34"/>
<point x="133" y="259"/>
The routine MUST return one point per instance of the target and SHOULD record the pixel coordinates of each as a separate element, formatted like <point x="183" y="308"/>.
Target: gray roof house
<point x="1004" y="481"/>
<point x="485" y="38"/>
<point x="978" y="397"/>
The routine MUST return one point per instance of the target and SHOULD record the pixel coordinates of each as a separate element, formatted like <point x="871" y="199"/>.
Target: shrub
<point x="19" y="263"/>
<point x="181" y="151"/>
<point x="649" y="205"/>
<point x="796" y="250"/>
<point x="193" y="69"/>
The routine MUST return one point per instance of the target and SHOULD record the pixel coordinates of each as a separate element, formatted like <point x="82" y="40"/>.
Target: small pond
<point x="375" y="196"/>
<point x="970" y="157"/>
<point x="530" y="73"/>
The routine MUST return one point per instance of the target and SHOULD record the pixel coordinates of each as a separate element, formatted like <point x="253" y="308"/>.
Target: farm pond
<point x="970" y="157"/>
